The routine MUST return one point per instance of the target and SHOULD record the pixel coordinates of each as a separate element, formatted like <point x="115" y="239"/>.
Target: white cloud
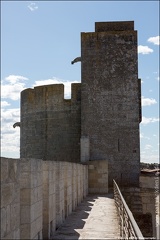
<point x="11" y="115"/>
<point x="152" y="158"/>
<point x="149" y="120"/>
<point x="12" y="89"/>
<point x="15" y="78"/>
<point x="10" y="137"/>
<point x="154" y="40"/>
<point x="148" y="101"/>
<point x="144" y="49"/>
<point x="4" y="104"/>
<point x="32" y="6"/>
<point x="10" y="143"/>
<point x="141" y="135"/>
<point x="144" y="137"/>
<point x="67" y="84"/>
<point x="148" y="146"/>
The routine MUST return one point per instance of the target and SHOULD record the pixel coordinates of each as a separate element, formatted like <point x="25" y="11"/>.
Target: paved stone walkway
<point x="94" y="218"/>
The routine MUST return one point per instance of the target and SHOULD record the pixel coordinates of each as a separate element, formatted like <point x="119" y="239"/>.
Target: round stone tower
<point x="50" y="124"/>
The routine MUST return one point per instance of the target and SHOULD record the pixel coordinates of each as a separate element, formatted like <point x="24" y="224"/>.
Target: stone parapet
<point x="50" y="124"/>
<point x="38" y="195"/>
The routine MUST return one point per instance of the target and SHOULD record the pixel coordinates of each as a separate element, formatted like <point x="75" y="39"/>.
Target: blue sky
<point x="39" y="40"/>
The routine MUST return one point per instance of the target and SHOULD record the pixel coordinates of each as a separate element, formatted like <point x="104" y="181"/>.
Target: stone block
<point x="13" y="171"/>
<point x="7" y="193"/>
<point x="33" y="229"/>
<point x="45" y="165"/>
<point x="25" y="196"/>
<point x="16" y="234"/>
<point x="15" y="215"/>
<point x="25" y="231"/>
<point x="25" y="165"/>
<point x="25" y="181"/>
<point x="3" y="222"/>
<point x="34" y="180"/>
<point x="4" y="169"/>
<point x="26" y="215"/>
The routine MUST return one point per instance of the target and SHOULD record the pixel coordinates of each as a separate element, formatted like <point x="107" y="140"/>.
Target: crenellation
<point x="114" y="26"/>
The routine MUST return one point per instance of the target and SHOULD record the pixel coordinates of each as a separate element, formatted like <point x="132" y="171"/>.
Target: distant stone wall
<point x="149" y="185"/>
<point x="51" y="125"/>
<point x="38" y="195"/>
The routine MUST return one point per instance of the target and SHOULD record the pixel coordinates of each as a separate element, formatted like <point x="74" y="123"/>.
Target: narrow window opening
<point x="118" y="146"/>
<point x="62" y="216"/>
<point x="51" y="226"/>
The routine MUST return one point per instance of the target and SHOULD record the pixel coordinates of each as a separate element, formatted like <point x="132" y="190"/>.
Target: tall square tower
<point x="110" y="99"/>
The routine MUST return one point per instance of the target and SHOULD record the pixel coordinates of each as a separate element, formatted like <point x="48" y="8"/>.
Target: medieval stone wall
<point x="149" y="185"/>
<point x="38" y="195"/>
<point x="50" y="124"/>
<point x="110" y="100"/>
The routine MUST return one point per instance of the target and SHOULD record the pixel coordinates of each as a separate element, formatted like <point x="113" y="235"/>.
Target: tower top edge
<point x="114" y="26"/>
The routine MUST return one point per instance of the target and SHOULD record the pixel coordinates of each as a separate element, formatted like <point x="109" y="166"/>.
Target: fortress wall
<point x="110" y="105"/>
<point x="31" y="186"/>
<point x="38" y="195"/>
<point x="50" y="124"/>
<point x="10" y="199"/>
<point x="149" y="184"/>
<point x="49" y="198"/>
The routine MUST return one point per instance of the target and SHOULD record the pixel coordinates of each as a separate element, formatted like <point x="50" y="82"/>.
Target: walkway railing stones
<point x="128" y="226"/>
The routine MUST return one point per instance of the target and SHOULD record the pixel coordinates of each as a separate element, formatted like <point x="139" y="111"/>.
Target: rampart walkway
<point x="94" y="218"/>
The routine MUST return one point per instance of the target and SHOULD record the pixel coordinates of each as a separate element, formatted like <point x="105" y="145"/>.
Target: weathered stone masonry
<point x="50" y="124"/>
<point x="101" y="120"/>
<point x="36" y="196"/>
<point x="110" y="98"/>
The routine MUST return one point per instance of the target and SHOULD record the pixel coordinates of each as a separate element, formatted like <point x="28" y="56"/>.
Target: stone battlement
<point x="48" y="121"/>
<point x="49" y="96"/>
<point x="114" y="26"/>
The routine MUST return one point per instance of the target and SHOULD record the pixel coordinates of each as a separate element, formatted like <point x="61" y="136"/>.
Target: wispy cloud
<point x="4" y="104"/>
<point x="154" y="40"/>
<point x="148" y="101"/>
<point x="10" y="137"/>
<point x="12" y="86"/>
<point x="54" y="80"/>
<point x="148" y="146"/>
<point x="144" y="49"/>
<point x="32" y="6"/>
<point x="15" y="78"/>
<point x="144" y="137"/>
<point x="149" y="120"/>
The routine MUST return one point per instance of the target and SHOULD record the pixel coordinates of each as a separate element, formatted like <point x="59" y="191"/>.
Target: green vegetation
<point x="149" y="165"/>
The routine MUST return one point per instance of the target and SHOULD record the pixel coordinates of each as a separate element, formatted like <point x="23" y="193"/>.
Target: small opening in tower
<point x="118" y="146"/>
<point x="67" y="90"/>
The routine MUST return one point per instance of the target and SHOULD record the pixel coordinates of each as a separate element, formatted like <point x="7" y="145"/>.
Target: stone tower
<point x="50" y="124"/>
<point x="101" y="120"/>
<point x="110" y="99"/>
